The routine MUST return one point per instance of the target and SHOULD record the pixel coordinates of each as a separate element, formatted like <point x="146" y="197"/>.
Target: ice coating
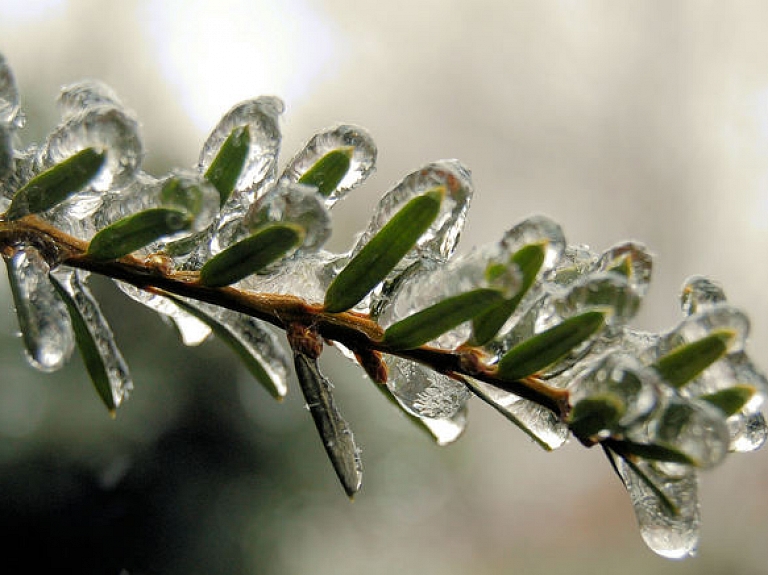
<point x="713" y="318"/>
<point x="362" y="162"/>
<point x="440" y="240"/>
<point x="599" y="291"/>
<point x="700" y="293"/>
<point x="424" y="392"/>
<point x="117" y="370"/>
<point x="104" y="128"/>
<point x="192" y="330"/>
<point x="75" y="97"/>
<point x="748" y="431"/>
<point x="671" y="535"/>
<point x="624" y="378"/>
<point x="541" y="424"/>
<point x="446" y="430"/>
<point x="9" y="96"/>
<point x="43" y="318"/>
<point x="261" y="116"/>
<point x="632" y="259"/>
<point x="6" y="151"/>
<point x="572" y="264"/>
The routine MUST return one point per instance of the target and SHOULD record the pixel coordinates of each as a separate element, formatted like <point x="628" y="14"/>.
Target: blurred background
<point x="621" y="120"/>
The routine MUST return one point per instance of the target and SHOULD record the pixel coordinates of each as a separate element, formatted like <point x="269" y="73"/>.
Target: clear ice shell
<point x="640" y="264"/>
<point x="541" y="424"/>
<point x="297" y="204"/>
<point x="748" y="431"/>
<point x="424" y="392"/>
<point x="191" y="330"/>
<point x="623" y="377"/>
<point x="715" y="317"/>
<point x="446" y="430"/>
<point x="674" y="536"/>
<point x="106" y="128"/>
<point x="117" y="370"/>
<point x="43" y="318"/>
<point x="261" y="115"/>
<point x="362" y="163"/>
<point x="699" y="294"/>
<point x="535" y="230"/>
<point x="440" y="240"/>
<point x="9" y="96"/>
<point x="572" y="264"/>
<point x="76" y="97"/>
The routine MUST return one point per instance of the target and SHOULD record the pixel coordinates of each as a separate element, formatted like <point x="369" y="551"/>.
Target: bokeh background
<point x="621" y="120"/>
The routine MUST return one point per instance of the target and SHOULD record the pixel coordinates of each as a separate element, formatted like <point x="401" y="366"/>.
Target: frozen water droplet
<point x="361" y="165"/>
<point x="261" y="116"/>
<point x="424" y="392"/>
<point x="671" y="535"/>
<point x="536" y="230"/>
<point x="9" y="96"/>
<point x="116" y="368"/>
<point x="748" y="431"/>
<point x="541" y="424"/>
<point x="632" y="260"/>
<point x="43" y="318"/>
<point x="446" y="430"/>
<point x="599" y="291"/>
<point x="106" y="128"/>
<point x="574" y="262"/>
<point x="699" y="294"/>
<point x="440" y="240"/>
<point x="76" y="97"/>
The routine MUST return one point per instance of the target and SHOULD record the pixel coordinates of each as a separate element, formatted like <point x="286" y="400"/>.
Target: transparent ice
<point x="120" y="381"/>
<point x="635" y="258"/>
<point x="362" y="163"/>
<point x="43" y="318"/>
<point x="424" y="392"/>
<point x="671" y="535"/>
<point x="446" y="430"/>
<point x="10" y="106"/>
<point x="76" y="97"/>
<point x="540" y="423"/>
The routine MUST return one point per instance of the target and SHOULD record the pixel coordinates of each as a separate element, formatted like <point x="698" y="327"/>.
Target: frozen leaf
<point x="383" y="252"/>
<point x="43" y="318"/>
<point x="544" y="349"/>
<point x="261" y="117"/>
<point x="226" y="167"/>
<point x="334" y="431"/>
<point x="594" y="414"/>
<point x="730" y="400"/>
<point x="136" y="231"/>
<point x="102" y="358"/>
<point x="253" y="343"/>
<point x="429" y="323"/>
<point x="539" y="423"/>
<point x="343" y="146"/>
<point x="266" y="245"/>
<point x="56" y="184"/>
<point x="686" y="362"/>
<point x="440" y="238"/>
<point x="667" y="509"/>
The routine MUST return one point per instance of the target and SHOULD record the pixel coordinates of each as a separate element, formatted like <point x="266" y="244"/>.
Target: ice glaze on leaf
<point x="56" y="184"/>
<point x="134" y="232"/>
<point x="730" y="400"/>
<point x="430" y="323"/>
<point x="686" y="362"/>
<point x="547" y="347"/>
<point x="226" y="167"/>
<point x="328" y="171"/>
<point x="382" y="253"/>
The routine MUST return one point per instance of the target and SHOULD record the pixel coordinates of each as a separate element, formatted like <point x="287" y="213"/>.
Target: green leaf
<point x="334" y="431"/>
<point x="685" y="363"/>
<point x="546" y="348"/>
<point x="328" y="171"/>
<point x="731" y="400"/>
<point x="651" y="452"/>
<point x="383" y="252"/>
<point x="431" y="322"/>
<point x="595" y="414"/>
<point x="134" y="232"/>
<point x="529" y="260"/>
<point x="221" y="331"/>
<point x="266" y="245"/>
<point x="89" y="349"/>
<point x="226" y="167"/>
<point x="56" y="184"/>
